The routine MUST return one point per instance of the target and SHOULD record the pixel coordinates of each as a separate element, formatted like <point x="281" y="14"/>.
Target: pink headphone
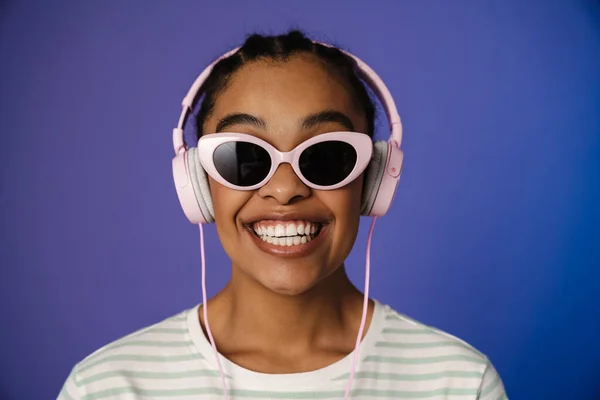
<point x="381" y="177"/>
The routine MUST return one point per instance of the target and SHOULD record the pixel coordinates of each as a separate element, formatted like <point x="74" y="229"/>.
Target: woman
<point x="289" y="324"/>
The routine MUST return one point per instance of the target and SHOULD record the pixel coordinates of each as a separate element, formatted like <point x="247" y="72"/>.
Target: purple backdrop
<point x="494" y="234"/>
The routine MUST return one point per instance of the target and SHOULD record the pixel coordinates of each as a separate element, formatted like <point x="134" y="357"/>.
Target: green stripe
<point x="397" y="394"/>
<point x="411" y="377"/>
<point x="502" y="397"/>
<point x="490" y="388"/>
<point x="421" y="345"/>
<point x="371" y="393"/>
<point x="153" y="343"/>
<point x="153" y="393"/>
<point x="168" y="330"/>
<point x="176" y="318"/>
<point x="404" y="318"/>
<point x="423" y="360"/>
<point x="405" y="331"/>
<point x="150" y="375"/>
<point x="141" y="358"/>
<point x="393" y="318"/>
<point x="139" y="343"/>
<point x="261" y="394"/>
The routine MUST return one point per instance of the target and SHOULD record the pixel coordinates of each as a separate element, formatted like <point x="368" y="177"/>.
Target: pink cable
<point x="363" y="320"/>
<point x="204" y="309"/>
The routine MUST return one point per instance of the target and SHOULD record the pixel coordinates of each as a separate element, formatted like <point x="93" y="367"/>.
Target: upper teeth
<point x="281" y="229"/>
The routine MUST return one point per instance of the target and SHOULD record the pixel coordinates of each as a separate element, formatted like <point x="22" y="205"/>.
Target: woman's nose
<point x="285" y="186"/>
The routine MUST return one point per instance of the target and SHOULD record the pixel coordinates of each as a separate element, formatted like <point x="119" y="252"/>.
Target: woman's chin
<point x="287" y="281"/>
<point x="289" y="288"/>
<point x="289" y="284"/>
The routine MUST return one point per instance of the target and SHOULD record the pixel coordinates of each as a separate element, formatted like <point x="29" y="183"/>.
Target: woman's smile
<point x="287" y="237"/>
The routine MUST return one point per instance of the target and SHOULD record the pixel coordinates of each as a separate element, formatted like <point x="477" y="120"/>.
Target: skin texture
<point x="286" y="314"/>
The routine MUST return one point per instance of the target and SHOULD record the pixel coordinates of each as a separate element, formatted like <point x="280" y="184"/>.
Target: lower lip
<point x="298" y="250"/>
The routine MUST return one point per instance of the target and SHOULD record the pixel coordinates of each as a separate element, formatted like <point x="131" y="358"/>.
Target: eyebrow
<point x="240" y="119"/>
<point x="325" y="117"/>
<point x="307" y="123"/>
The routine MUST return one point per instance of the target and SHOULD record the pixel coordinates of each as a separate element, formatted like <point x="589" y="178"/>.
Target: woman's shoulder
<point x="154" y="347"/>
<point x="407" y="344"/>
<point x="401" y="330"/>
<point x="171" y="332"/>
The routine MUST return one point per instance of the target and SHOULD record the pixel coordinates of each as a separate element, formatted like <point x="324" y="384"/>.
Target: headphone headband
<point x="365" y="72"/>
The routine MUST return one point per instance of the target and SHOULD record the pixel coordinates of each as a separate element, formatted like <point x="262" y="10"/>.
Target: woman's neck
<point x="245" y="317"/>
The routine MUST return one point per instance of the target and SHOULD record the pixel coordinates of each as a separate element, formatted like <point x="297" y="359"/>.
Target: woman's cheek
<point x="345" y="204"/>
<point x="227" y="204"/>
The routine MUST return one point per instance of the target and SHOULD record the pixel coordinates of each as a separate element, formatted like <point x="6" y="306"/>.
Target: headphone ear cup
<point x="373" y="176"/>
<point x="191" y="197"/>
<point x="381" y="179"/>
<point x="199" y="180"/>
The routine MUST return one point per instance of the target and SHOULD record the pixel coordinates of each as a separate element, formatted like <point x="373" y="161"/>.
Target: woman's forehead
<point x="289" y="90"/>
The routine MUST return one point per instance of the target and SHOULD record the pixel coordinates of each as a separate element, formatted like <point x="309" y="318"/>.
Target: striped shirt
<point x="399" y="358"/>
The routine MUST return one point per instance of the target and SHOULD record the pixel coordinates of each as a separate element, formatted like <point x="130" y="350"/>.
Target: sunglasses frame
<point x="362" y="144"/>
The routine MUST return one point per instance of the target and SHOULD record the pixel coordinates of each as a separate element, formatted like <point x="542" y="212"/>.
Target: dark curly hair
<point x="281" y="48"/>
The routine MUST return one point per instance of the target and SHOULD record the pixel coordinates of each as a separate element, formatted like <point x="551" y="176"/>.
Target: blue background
<point x="494" y="235"/>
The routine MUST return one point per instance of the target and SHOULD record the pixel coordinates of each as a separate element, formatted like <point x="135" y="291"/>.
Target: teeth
<point x="279" y="231"/>
<point x="286" y="234"/>
<point x="286" y="240"/>
<point x="290" y="230"/>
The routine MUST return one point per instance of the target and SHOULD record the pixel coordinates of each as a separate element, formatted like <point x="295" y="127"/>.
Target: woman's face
<point x="286" y="103"/>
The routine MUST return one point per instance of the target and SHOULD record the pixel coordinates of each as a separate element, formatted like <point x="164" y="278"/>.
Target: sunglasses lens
<point x="327" y="163"/>
<point x="241" y="163"/>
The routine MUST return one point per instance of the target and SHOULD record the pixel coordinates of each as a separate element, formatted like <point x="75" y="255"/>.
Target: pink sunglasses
<point x="324" y="162"/>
